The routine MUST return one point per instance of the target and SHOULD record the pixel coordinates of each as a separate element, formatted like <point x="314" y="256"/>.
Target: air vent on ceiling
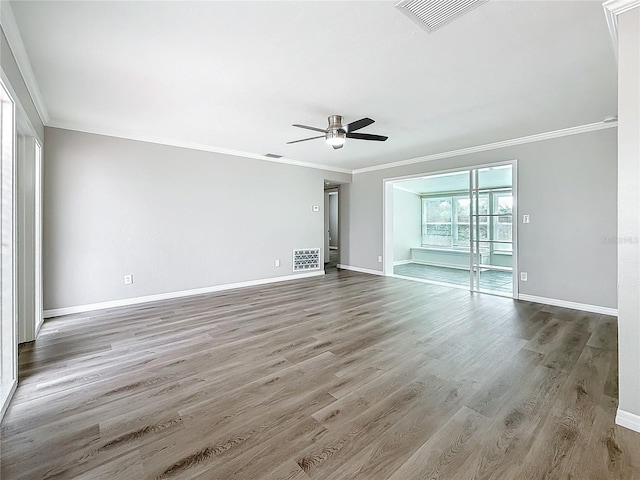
<point x="272" y="155"/>
<point x="306" y="259"/>
<point x="433" y="14"/>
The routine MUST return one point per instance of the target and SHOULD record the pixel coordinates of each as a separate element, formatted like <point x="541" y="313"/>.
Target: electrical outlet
<point x="277" y="263"/>
<point x="526" y="219"/>
<point x="379" y="258"/>
<point x="128" y="279"/>
<point x="315" y="208"/>
<point x="523" y="276"/>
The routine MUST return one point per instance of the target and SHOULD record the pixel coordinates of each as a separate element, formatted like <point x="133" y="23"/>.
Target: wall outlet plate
<point x="523" y="276"/>
<point x="128" y="279"/>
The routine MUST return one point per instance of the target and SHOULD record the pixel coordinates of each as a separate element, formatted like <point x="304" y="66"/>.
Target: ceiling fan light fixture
<point x="336" y="138"/>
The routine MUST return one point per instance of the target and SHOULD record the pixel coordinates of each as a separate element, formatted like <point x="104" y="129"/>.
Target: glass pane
<point x="463" y="209"/>
<point x="495" y="177"/>
<point x="502" y="232"/>
<point x="437" y="210"/>
<point x="504" y="204"/>
<point x="483" y="205"/>
<point x="463" y="238"/>
<point x="496" y="281"/>
<point x="437" y="235"/>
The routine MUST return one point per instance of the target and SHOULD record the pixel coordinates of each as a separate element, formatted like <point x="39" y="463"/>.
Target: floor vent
<point x="306" y="259"/>
<point x="433" y="14"/>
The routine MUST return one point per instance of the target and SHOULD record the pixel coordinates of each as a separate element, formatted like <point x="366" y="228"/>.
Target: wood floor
<point x="346" y="376"/>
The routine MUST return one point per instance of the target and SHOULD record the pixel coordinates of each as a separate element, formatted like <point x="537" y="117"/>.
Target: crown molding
<point x="613" y="8"/>
<point x="12" y="33"/>
<point x="196" y="146"/>
<point x="492" y="146"/>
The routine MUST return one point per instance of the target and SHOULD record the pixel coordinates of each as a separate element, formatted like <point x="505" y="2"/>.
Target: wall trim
<point x="11" y="31"/>
<point x="7" y="401"/>
<point x="613" y="8"/>
<point x="591" y="127"/>
<point x="402" y="262"/>
<point x="573" y="305"/>
<point x="360" y="270"/>
<point x="56" y="312"/>
<point x="195" y="146"/>
<point x="628" y="420"/>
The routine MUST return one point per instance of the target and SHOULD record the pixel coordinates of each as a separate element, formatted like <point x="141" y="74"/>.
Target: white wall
<point x="629" y="216"/>
<point x="568" y="185"/>
<point x="177" y="219"/>
<point x="407" y="228"/>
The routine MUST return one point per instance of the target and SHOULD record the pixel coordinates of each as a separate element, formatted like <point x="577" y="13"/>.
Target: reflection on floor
<point x="491" y="280"/>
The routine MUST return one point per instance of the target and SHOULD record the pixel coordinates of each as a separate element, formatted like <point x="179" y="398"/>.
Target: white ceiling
<point x="236" y="75"/>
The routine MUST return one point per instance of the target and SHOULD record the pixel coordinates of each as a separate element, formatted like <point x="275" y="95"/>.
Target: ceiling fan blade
<point x="305" y="139"/>
<point x="310" y="128"/>
<point x="367" y="136"/>
<point x="358" y="124"/>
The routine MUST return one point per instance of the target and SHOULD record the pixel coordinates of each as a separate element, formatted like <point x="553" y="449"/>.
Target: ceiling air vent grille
<point x="306" y="259"/>
<point x="433" y="14"/>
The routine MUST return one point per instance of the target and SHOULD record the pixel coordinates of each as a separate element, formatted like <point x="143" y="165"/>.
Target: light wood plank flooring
<point x="346" y="376"/>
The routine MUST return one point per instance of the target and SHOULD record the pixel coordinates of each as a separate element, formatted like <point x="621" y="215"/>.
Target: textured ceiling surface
<point x="236" y="75"/>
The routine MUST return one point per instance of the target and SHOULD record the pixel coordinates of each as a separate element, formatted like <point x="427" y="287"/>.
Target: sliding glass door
<point x="466" y="234"/>
<point x="492" y="230"/>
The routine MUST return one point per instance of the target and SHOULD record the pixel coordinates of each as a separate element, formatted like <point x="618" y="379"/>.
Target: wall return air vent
<point x="306" y="259"/>
<point x="433" y="14"/>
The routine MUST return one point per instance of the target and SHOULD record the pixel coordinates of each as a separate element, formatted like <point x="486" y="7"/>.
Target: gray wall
<point x="177" y="219"/>
<point x="629" y="211"/>
<point x="407" y="229"/>
<point x="568" y="186"/>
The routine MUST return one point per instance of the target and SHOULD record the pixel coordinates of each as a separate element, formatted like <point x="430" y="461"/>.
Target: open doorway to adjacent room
<point x="454" y="228"/>
<point x="331" y="225"/>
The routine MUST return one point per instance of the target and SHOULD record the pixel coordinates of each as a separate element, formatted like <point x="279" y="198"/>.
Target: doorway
<point x="331" y="227"/>
<point x="454" y="228"/>
<point x="8" y="343"/>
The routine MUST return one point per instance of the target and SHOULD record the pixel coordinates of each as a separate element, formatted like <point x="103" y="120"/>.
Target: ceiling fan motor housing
<point x="335" y="122"/>
<point x="335" y="135"/>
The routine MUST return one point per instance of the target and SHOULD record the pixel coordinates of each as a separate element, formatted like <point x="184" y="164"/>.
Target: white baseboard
<point x="402" y="262"/>
<point x="7" y="397"/>
<point x="361" y="270"/>
<point x="56" y="312"/>
<point x="628" y="420"/>
<point x="573" y="305"/>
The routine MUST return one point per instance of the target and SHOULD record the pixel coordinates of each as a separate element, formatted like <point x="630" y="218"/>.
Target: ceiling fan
<point x="337" y="133"/>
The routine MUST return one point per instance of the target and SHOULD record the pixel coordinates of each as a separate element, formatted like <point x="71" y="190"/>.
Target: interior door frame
<point x="387" y="221"/>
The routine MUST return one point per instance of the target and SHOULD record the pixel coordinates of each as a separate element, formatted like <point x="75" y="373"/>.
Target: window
<point x="446" y="220"/>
